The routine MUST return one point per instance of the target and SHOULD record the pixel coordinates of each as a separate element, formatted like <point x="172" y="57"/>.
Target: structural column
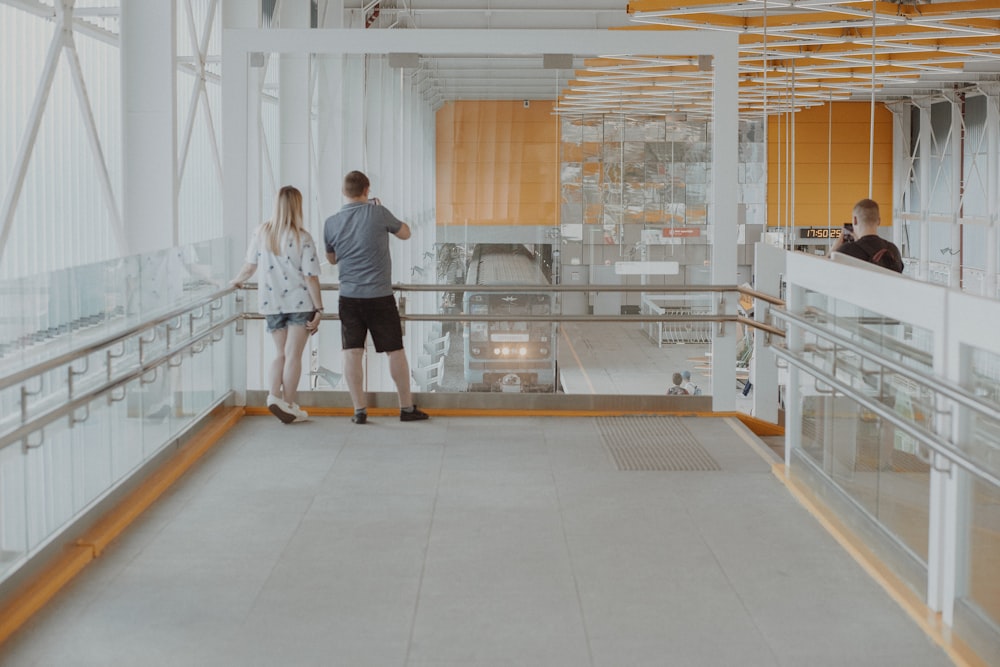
<point x="901" y="165"/>
<point x="926" y="165"/>
<point x="149" y="119"/>
<point x="331" y="139"/>
<point x="992" y="185"/>
<point x="240" y="157"/>
<point x="294" y="108"/>
<point x="958" y="186"/>
<point x="724" y="230"/>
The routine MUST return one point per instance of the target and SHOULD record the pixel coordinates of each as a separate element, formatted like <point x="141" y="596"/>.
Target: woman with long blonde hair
<point x="284" y="255"/>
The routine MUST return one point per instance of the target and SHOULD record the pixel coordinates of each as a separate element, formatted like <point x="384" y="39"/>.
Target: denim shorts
<point x="279" y="322"/>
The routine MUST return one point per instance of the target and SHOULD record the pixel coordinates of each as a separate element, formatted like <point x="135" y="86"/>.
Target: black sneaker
<point x="416" y="415"/>
<point x="360" y="417"/>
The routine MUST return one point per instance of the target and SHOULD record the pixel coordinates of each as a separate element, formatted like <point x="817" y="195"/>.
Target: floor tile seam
<point x="291" y="536"/>
<point x="735" y="590"/>
<point x="569" y="554"/>
<point x="161" y="525"/>
<point x="423" y="563"/>
<point x="274" y="565"/>
<point x="148" y="516"/>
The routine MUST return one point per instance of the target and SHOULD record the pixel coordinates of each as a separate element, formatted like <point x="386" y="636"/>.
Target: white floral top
<point x="281" y="279"/>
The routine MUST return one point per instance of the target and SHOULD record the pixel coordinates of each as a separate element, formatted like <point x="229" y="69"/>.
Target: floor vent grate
<point x="653" y="443"/>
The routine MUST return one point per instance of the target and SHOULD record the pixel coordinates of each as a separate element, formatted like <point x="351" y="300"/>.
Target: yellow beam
<point x="43" y="588"/>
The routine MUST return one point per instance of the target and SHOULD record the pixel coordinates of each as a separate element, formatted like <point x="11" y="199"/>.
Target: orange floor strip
<point x="34" y="595"/>
<point x="929" y="621"/>
<point x="756" y="426"/>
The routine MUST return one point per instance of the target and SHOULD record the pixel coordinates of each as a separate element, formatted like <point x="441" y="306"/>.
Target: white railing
<point x="893" y="411"/>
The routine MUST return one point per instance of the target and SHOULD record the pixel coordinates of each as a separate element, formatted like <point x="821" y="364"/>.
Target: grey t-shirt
<point x="358" y="235"/>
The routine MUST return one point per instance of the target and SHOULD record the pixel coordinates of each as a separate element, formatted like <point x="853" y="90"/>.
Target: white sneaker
<point x="280" y="409"/>
<point x="300" y="414"/>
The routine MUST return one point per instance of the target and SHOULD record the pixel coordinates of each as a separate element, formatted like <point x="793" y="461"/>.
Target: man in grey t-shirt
<point x="357" y="238"/>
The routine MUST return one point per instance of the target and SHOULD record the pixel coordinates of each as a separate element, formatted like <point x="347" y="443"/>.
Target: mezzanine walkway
<point x="476" y="541"/>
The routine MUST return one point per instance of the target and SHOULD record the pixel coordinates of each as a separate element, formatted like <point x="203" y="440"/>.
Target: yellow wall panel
<point x="572" y="153"/>
<point x="831" y="172"/>
<point x="497" y="163"/>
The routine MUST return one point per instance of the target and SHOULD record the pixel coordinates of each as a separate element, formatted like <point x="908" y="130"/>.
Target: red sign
<point x="677" y="232"/>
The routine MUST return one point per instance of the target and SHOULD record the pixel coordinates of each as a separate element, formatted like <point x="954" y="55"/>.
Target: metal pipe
<point x="957" y="394"/>
<point x="542" y="318"/>
<point x="942" y="447"/>
<point x="542" y="289"/>
<point x="63" y="359"/>
<point x="27" y="428"/>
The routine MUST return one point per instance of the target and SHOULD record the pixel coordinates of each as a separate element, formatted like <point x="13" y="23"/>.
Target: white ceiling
<point x="794" y="53"/>
<point x="496" y="14"/>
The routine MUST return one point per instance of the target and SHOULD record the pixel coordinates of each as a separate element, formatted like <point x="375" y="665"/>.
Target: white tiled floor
<point x="470" y="541"/>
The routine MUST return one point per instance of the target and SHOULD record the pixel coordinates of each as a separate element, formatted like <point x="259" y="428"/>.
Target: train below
<point x="510" y="355"/>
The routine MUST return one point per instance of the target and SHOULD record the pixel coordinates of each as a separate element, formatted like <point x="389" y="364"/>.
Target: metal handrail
<point x="75" y="403"/>
<point x="957" y="394"/>
<point x="465" y="317"/>
<point x="462" y="287"/>
<point x="76" y="353"/>
<point x="932" y="440"/>
<point x="108" y="341"/>
<point x="767" y="298"/>
<point x="760" y="325"/>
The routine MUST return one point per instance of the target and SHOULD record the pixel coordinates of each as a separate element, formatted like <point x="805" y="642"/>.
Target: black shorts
<point x="378" y="316"/>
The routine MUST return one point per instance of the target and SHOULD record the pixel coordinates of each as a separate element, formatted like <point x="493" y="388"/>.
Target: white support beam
<point x="100" y="164"/>
<point x="240" y="135"/>
<point x="992" y="187"/>
<point x="27" y="145"/>
<point x="957" y="142"/>
<point x="924" y="139"/>
<point x="724" y="224"/>
<point x="900" y="168"/>
<point x="480" y="42"/>
<point x="293" y="107"/>
<point x="149" y="98"/>
<point x="769" y="269"/>
<point x="354" y="45"/>
<point x="199" y="94"/>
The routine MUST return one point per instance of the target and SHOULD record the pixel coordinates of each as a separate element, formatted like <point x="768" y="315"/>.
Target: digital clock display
<point x="820" y="233"/>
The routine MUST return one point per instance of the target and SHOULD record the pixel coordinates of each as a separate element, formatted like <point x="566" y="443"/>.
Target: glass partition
<point x="881" y="468"/>
<point x="893" y="425"/>
<point x="127" y="356"/>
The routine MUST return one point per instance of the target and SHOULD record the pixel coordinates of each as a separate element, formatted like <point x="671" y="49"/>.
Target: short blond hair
<point x="866" y="211"/>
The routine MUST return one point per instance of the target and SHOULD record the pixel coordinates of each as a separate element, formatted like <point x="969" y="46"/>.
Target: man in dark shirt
<point x="865" y="243"/>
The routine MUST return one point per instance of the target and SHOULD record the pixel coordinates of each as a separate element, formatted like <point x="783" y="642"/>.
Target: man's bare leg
<point x="354" y="374"/>
<point x="399" y="369"/>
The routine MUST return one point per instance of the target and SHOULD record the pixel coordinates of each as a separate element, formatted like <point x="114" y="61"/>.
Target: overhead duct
<point x="404" y="60"/>
<point x="557" y="61"/>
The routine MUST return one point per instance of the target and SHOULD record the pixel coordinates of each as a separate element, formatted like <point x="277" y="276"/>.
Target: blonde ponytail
<point x="287" y="219"/>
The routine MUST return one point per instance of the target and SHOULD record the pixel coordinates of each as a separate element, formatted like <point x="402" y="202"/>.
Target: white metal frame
<point x="199" y="93"/>
<point x="62" y="44"/>
<point x="240" y="191"/>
